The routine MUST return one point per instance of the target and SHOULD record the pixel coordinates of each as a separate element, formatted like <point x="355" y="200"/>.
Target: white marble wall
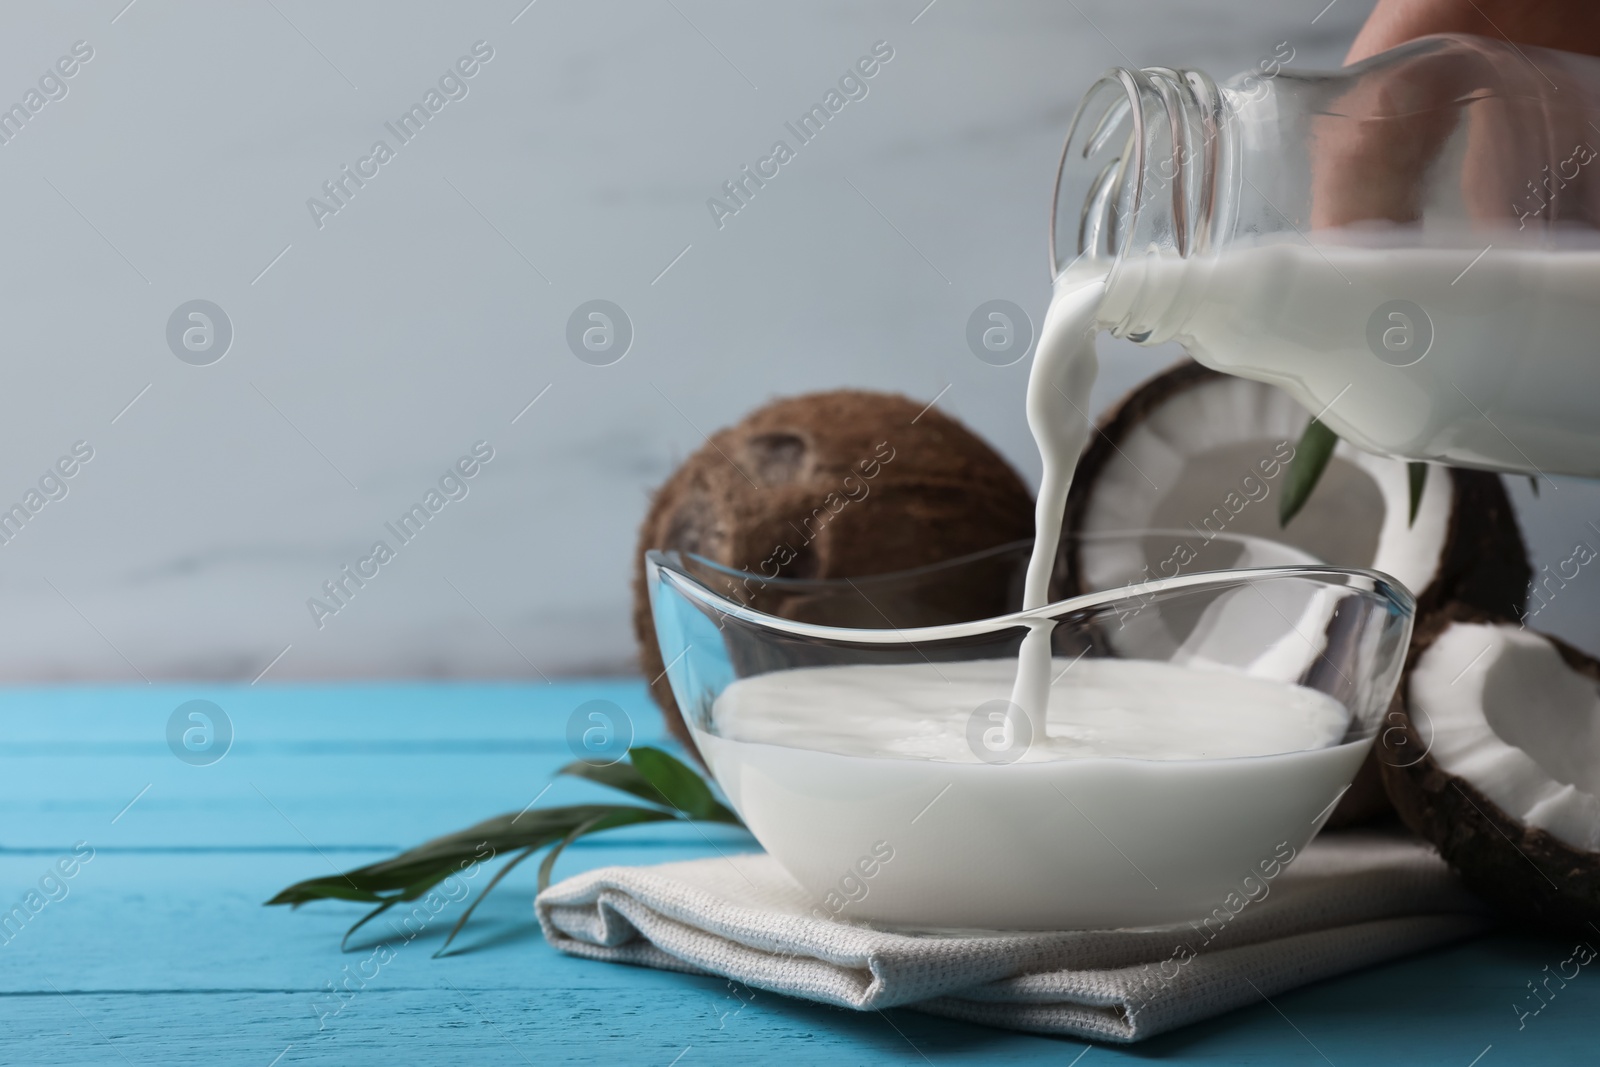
<point x="371" y="351"/>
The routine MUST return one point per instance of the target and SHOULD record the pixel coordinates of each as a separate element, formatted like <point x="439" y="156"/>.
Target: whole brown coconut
<point x="1534" y="878"/>
<point x="841" y="484"/>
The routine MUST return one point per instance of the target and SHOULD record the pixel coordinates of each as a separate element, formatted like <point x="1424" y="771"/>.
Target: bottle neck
<point x="1143" y="174"/>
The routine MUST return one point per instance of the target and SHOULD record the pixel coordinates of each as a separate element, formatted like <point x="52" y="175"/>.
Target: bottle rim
<point x="1139" y="171"/>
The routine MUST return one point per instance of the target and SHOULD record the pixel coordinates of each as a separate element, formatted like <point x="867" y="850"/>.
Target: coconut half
<point x="1496" y="760"/>
<point x="1198" y="451"/>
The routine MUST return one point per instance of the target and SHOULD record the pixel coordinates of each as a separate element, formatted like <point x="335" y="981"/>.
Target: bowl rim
<point x="667" y="568"/>
<point x="1022" y="545"/>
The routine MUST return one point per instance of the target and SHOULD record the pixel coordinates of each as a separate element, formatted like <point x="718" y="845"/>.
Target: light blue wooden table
<point x="158" y="951"/>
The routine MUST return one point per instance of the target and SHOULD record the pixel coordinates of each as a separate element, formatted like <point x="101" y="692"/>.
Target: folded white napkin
<point x="1347" y="901"/>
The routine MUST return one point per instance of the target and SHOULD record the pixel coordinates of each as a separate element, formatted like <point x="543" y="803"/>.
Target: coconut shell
<point x="1484" y="562"/>
<point x="934" y="491"/>
<point x="1533" y="877"/>
<point x="1113" y="425"/>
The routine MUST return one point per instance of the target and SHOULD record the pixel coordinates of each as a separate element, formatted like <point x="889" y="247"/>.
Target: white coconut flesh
<point x="1209" y="459"/>
<point x="1504" y="712"/>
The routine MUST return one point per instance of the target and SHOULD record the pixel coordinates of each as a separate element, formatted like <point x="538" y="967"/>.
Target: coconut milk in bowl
<point x="1191" y="735"/>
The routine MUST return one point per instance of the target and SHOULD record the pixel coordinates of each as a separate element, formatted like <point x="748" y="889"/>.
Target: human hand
<point x="1518" y="112"/>
<point x="1569" y="25"/>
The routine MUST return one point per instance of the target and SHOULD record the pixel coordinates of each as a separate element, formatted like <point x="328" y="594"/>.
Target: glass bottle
<point x="1409" y="246"/>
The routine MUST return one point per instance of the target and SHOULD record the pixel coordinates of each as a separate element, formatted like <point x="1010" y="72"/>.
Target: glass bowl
<point x="1001" y="831"/>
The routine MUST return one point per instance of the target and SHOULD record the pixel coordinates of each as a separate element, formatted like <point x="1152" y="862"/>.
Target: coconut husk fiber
<point x="842" y="484"/>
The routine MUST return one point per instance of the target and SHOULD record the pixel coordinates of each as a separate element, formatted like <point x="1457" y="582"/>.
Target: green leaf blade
<point x="676" y="792"/>
<point x="344" y="942"/>
<point x="1417" y="477"/>
<point x="679" y="785"/>
<point x="619" y="775"/>
<point x="1305" y="470"/>
<point x="462" y="922"/>
<point x="435" y="860"/>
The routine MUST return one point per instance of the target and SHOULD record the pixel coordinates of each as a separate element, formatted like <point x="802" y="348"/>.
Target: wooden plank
<point x="158" y="950"/>
<point x="337" y="765"/>
<point x="200" y="969"/>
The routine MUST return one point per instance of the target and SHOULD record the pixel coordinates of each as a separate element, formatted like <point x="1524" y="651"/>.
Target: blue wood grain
<point x="159" y="951"/>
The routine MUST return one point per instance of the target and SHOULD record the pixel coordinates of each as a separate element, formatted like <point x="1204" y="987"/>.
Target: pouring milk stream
<point x="1059" y="383"/>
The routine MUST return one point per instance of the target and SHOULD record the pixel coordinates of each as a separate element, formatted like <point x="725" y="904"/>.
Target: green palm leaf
<point x="1311" y="458"/>
<point x="675" y="791"/>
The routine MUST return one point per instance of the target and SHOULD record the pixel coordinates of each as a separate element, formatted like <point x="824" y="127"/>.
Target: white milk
<point x="1059" y="384"/>
<point x="835" y="768"/>
<point x="1509" y="378"/>
<point x="1101" y="708"/>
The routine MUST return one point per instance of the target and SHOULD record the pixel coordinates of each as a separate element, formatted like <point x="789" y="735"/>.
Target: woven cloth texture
<point x="1347" y="901"/>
